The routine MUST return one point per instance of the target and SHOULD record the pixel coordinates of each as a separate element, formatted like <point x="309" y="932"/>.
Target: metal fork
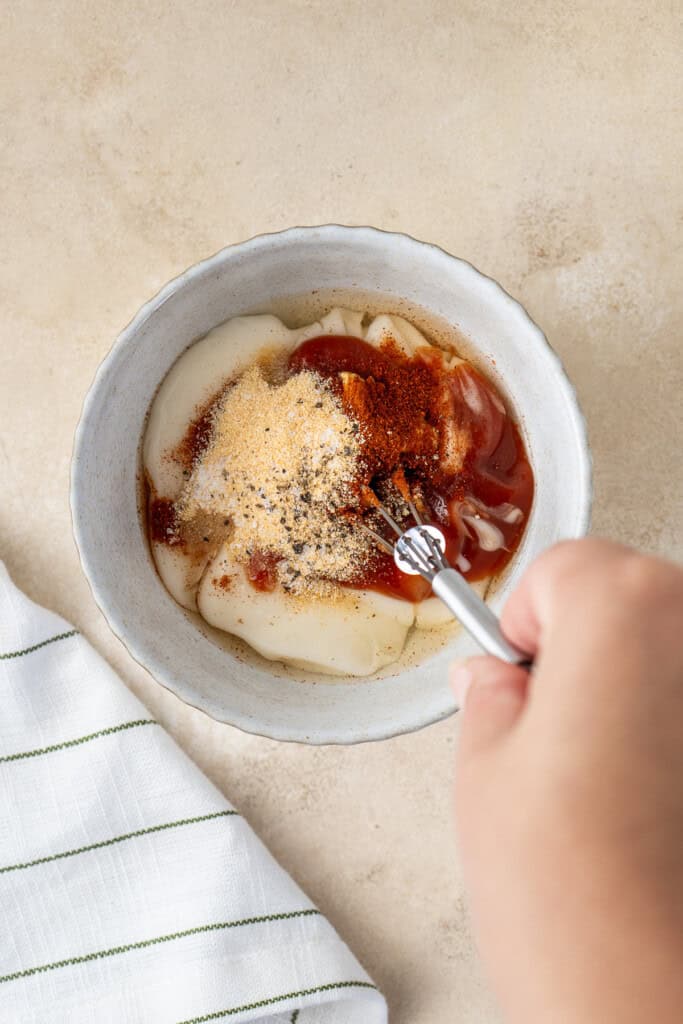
<point x="420" y="551"/>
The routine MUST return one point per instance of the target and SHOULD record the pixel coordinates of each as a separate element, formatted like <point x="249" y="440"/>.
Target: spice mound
<point x="282" y="464"/>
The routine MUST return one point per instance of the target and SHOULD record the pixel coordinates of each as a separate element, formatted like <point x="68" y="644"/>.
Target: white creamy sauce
<point x="352" y="635"/>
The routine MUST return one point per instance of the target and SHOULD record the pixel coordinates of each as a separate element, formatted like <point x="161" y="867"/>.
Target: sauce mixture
<point x="431" y="428"/>
<point x="404" y="406"/>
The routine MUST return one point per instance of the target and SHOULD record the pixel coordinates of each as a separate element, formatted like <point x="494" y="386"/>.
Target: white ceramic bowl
<point x="258" y="275"/>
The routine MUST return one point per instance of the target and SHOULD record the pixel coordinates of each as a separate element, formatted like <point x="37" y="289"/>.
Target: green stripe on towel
<point x="80" y="739"/>
<point x="100" y="954"/>
<point x="117" y="839"/>
<point x="36" y="647"/>
<point x="263" y="1003"/>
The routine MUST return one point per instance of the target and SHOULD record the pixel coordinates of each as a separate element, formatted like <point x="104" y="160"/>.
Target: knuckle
<point x="566" y="568"/>
<point x="576" y="566"/>
<point x="645" y="581"/>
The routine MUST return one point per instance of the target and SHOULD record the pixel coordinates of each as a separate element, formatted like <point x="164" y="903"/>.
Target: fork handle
<point x="476" y="617"/>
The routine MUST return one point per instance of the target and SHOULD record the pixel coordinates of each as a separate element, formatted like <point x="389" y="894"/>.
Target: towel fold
<point x="130" y="889"/>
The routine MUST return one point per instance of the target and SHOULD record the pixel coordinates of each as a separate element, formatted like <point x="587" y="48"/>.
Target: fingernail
<point x="460" y="680"/>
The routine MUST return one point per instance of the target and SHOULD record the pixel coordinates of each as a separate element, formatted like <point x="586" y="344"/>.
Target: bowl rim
<point x="122" y="343"/>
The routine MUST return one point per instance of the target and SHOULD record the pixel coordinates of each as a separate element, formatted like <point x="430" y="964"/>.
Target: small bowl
<point x="349" y="265"/>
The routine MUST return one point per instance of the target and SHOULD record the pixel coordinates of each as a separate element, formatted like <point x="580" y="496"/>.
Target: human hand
<point x="569" y="792"/>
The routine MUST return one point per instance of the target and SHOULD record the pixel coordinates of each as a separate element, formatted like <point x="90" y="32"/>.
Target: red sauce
<point x="261" y="571"/>
<point x="404" y="405"/>
<point x="198" y="435"/>
<point x="332" y="354"/>
<point x="199" y="432"/>
<point x="163" y="521"/>
<point x="223" y="582"/>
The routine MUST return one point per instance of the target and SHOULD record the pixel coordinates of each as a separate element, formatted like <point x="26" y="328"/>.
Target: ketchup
<point x="407" y="404"/>
<point x="262" y="570"/>
<point x="163" y="521"/>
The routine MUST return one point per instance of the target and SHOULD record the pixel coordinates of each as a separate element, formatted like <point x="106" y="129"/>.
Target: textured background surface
<point x="547" y="149"/>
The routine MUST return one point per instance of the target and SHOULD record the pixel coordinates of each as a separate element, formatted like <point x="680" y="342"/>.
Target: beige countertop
<point x="545" y="148"/>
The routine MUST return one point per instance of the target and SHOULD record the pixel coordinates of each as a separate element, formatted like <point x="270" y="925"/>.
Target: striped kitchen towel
<point x="130" y="890"/>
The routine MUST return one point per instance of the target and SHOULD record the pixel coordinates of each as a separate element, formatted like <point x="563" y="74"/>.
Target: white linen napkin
<point x="130" y="889"/>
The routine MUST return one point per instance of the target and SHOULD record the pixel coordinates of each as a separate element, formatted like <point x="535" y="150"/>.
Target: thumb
<point x="491" y="694"/>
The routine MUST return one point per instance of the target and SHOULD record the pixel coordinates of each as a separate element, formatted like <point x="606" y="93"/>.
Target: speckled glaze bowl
<point x="208" y="671"/>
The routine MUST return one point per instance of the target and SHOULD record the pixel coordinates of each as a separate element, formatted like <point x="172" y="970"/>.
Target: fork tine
<point x="379" y="540"/>
<point x="415" y="514"/>
<point x="436" y="551"/>
<point x="427" y="560"/>
<point x="388" y="519"/>
<point x="421" y="562"/>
